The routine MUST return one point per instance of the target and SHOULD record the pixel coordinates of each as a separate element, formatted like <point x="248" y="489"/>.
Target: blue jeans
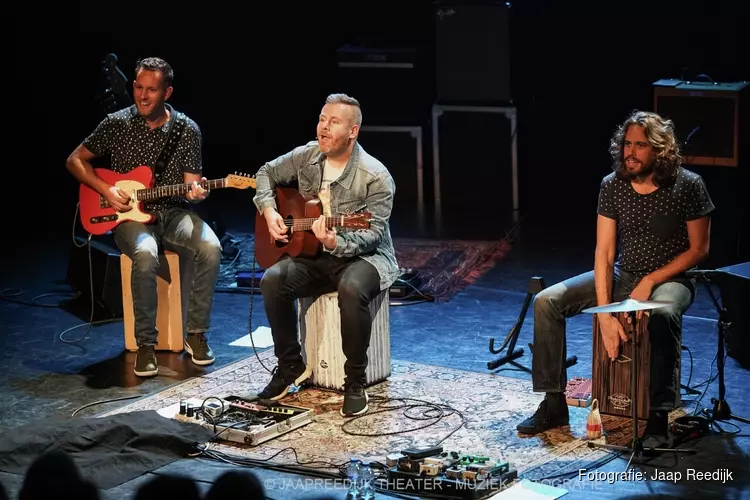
<point x="178" y="230"/>
<point x="568" y="298"/>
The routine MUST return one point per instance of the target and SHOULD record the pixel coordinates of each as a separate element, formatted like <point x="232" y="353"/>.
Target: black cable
<point x="104" y="401"/>
<point x="435" y="412"/>
<point x="250" y="316"/>
<point x="7" y="294"/>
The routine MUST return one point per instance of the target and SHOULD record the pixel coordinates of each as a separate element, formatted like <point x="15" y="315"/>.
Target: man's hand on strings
<point x="197" y="192"/>
<point x="326" y="236"/>
<point x="276" y="225"/>
<point x="118" y="199"/>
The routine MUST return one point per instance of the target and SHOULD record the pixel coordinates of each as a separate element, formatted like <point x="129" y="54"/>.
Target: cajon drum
<point x="319" y="321"/>
<point x="611" y="379"/>
<point x="169" y="314"/>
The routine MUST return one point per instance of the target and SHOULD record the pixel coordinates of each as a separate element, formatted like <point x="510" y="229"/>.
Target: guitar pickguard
<point x="130" y="187"/>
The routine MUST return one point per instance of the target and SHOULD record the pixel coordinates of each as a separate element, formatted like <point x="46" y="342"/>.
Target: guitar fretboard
<point x="174" y="190"/>
<point x="306" y="223"/>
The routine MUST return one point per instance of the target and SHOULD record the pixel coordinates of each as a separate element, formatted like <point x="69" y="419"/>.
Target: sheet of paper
<point x="528" y="490"/>
<point x="261" y="338"/>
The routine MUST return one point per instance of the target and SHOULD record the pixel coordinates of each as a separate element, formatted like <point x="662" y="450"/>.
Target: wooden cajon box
<point x="611" y="379"/>
<point x="169" y="315"/>
<point x="319" y="321"/>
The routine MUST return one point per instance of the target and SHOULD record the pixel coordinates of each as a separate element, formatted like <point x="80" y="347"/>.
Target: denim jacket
<point x="365" y="184"/>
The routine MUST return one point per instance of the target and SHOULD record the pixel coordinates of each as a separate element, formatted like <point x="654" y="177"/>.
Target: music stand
<point x="721" y="410"/>
<point x="630" y="306"/>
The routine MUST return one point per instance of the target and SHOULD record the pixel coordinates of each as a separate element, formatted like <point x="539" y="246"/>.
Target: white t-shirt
<point x="330" y="174"/>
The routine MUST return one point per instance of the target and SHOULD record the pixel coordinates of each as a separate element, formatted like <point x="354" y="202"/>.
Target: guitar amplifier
<point x="734" y="287"/>
<point x="94" y="266"/>
<point x="710" y="119"/>
<point x="472" y="52"/>
<point x="385" y="82"/>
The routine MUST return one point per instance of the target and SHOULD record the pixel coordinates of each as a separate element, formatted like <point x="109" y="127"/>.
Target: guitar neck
<point x="175" y="190"/>
<point x="305" y="224"/>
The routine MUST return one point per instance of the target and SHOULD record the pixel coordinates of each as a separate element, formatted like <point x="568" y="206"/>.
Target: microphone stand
<point x="721" y="410"/>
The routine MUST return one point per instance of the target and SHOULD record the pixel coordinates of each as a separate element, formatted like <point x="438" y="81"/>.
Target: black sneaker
<point x="657" y="423"/>
<point x="355" y="400"/>
<point x="282" y="379"/>
<point x="657" y="434"/>
<point x="196" y="345"/>
<point x="552" y="412"/>
<point x="145" y="362"/>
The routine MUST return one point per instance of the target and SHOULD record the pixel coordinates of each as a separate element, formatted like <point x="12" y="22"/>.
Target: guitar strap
<point x="175" y="133"/>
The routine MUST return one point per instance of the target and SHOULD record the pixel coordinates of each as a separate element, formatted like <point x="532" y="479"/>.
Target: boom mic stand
<point x="535" y="286"/>
<point x="721" y="410"/>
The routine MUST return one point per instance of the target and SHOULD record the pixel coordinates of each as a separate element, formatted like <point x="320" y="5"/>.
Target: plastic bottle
<point x="353" y="476"/>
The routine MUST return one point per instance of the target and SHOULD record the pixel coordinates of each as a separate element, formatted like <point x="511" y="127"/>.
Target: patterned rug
<point x="419" y="406"/>
<point x="445" y="267"/>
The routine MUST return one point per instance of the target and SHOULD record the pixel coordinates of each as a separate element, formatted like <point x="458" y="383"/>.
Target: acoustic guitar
<point x="299" y="212"/>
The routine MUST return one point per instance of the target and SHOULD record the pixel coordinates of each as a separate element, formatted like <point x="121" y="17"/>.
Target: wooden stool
<point x="319" y="320"/>
<point x="169" y="314"/>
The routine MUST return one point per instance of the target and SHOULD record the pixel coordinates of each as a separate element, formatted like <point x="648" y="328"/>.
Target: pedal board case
<point x="241" y="420"/>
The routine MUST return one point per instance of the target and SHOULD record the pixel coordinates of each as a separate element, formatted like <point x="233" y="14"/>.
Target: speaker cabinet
<point x="710" y="119"/>
<point x="94" y="264"/>
<point x="384" y="81"/>
<point x="734" y="287"/>
<point x="472" y="60"/>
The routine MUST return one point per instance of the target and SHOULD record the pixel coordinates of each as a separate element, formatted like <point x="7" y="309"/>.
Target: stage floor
<point x="41" y="376"/>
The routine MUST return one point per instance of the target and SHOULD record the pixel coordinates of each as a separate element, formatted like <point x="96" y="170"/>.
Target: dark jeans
<point x="357" y="282"/>
<point x="181" y="231"/>
<point x="568" y="298"/>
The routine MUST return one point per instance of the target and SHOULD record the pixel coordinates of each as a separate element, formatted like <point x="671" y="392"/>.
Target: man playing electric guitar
<point x="137" y="136"/>
<point x="359" y="264"/>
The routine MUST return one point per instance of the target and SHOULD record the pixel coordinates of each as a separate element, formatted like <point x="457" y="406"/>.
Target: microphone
<point x="691" y="134"/>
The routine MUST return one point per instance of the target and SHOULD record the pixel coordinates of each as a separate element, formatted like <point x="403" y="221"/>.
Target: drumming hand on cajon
<point x="612" y="333"/>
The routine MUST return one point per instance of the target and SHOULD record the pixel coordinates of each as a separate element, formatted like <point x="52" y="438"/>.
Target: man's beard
<point x="641" y="174"/>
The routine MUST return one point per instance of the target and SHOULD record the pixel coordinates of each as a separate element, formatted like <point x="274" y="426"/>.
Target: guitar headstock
<point x="240" y="181"/>
<point x="360" y="220"/>
<point x="116" y="95"/>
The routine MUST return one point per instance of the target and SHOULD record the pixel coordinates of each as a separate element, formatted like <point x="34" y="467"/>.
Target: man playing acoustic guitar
<point x="359" y="264"/>
<point x="136" y="136"/>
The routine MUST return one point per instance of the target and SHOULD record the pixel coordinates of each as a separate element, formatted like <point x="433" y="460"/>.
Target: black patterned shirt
<point x="652" y="228"/>
<point x="129" y="142"/>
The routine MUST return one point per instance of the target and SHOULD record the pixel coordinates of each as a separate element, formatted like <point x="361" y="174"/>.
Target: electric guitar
<point x="98" y="217"/>
<point x="299" y="212"/>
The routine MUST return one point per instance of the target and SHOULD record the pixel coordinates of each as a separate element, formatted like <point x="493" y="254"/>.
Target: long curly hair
<point x="660" y="134"/>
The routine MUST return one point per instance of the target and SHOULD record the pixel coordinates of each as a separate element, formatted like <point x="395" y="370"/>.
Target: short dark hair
<point x="156" y="64"/>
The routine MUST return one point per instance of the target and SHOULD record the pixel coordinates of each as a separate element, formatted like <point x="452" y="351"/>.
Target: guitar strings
<point x="307" y="222"/>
